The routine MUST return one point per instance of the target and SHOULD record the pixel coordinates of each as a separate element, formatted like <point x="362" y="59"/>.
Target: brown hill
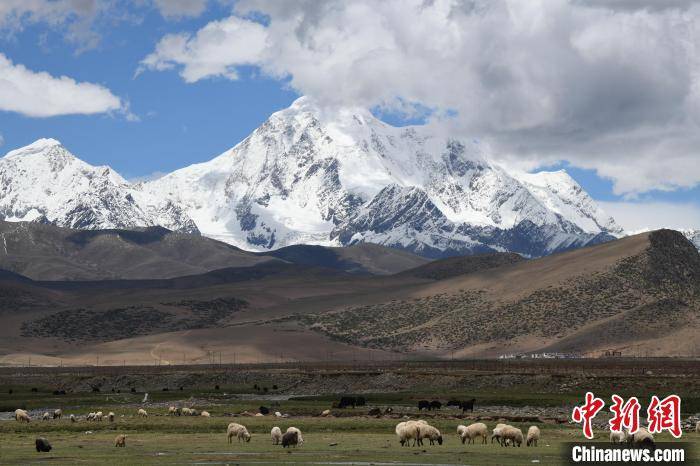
<point x="47" y="252"/>
<point x="639" y="295"/>
<point x="462" y="265"/>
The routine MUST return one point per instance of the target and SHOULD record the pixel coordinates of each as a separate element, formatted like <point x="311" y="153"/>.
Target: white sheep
<point x="237" y="430"/>
<point x="99" y="416"/>
<point x="205" y="414"/>
<point x="513" y="434"/>
<point x="22" y="416"/>
<point x="298" y="432"/>
<point x="57" y="414"/>
<point x="46" y="416"/>
<point x="496" y="435"/>
<point x="186" y="411"/>
<point x="278" y="414"/>
<point x="172" y="410"/>
<point x="326" y="413"/>
<point x="618" y="437"/>
<point x="276" y="435"/>
<point x="697" y="427"/>
<point x="426" y="431"/>
<point x="110" y="416"/>
<point x="533" y="435"/>
<point x="641" y="437"/>
<point x="473" y="431"/>
<point x="142" y="413"/>
<point x="72" y="418"/>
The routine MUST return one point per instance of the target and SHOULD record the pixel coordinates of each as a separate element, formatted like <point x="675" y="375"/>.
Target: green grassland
<point x="162" y="439"/>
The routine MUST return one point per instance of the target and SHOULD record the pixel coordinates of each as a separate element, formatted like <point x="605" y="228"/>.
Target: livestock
<point x="142" y="413"/>
<point x="237" y="430"/>
<point x="120" y="441"/>
<point x="42" y="445"/>
<point x="22" y="416"/>
<point x="276" y="435"/>
<point x="533" y="435"/>
<point x="290" y="439"/>
<point x="57" y="414"/>
<point x="473" y="431"/>
<point x="512" y="434"/>
<point x="300" y="438"/>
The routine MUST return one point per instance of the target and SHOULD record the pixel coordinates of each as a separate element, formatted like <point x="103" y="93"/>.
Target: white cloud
<point x="216" y="50"/>
<point x="639" y="216"/>
<point x="180" y="8"/>
<point x="38" y="94"/>
<point x="612" y="86"/>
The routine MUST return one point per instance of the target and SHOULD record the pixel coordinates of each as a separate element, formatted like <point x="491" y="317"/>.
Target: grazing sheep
<point x="90" y="416"/>
<point x="57" y="414"/>
<point x="429" y="432"/>
<point x="72" y="418"/>
<point x="22" y="416"/>
<point x="276" y="435"/>
<point x="409" y="430"/>
<point x="641" y="438"/>
<point x="120" y="441"/>
<point x="533" y="435"/>
<point x="496" y="435"/>
<point x="513" y="434"/>
<point x="406" y="431"/>
<point x="264" y="410"/>
<point x="424" y="404"/>
<point x="618" y="437"/>
<point x="258" y="415"/>
<point x="205" y="414"/>
<point x="289" y="439"/>
<point x="172" y="410"/>
<point x="42" y="445"/>
<point x="460" y="430"/>
<point x="142" y="413"/>
<point x="99" y="416"/>
<point x="475" y="430"/>
<point x="46" y="416"/>
<point x="327" y="412"/>
<point x="300" y="438"/>
<point x="697" y="427"/>
<point x="435" y="405"/>
<point x="278" y="414"/>
<point x="375" y="412"/>
<point x="186" y="411"/>
<point x="110" y="416"/>
<point x="237" y="430"/>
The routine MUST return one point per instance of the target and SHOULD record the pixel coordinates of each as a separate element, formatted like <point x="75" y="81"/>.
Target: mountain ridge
<point x="311" y="176"/>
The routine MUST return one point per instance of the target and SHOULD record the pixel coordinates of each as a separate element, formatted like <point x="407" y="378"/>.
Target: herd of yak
<point x="354" y="401"/>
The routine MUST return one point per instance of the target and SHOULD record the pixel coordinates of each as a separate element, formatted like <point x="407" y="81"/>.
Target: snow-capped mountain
<point x="314" y="176"/>
<point x="693" y="236"/>
<point x="336" y="178"/>
<point x="44" y="182"/>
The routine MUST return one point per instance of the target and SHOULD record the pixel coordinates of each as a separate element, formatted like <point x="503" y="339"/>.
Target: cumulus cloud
<point x="39" y="94"/>
<point x="180" y="8"/>
<point x="611" y="86"/>
<point x="641" y="216"/>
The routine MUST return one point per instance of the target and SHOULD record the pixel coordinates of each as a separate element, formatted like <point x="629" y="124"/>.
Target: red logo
<point x="625" y="415"/>
<point x="665" y="415"/>
<point x="587" y="412"/>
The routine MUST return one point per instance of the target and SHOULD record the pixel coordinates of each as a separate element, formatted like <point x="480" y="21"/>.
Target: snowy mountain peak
<point x="45" y="182"/>
<point x="38" y="146"/>
<point x="337" y="176"/>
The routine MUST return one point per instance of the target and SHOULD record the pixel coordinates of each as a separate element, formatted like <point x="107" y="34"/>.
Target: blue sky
<point x="163" y="104"/>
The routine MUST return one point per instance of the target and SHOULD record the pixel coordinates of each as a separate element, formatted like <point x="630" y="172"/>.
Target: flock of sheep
<point x="412" y="430"/>
<point x="504" y="434"/>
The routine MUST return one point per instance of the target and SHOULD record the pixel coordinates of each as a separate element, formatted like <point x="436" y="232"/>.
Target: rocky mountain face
<point x="310" y="176"/>
<point x="307" y="176"/>
<point x="43" y="182"/>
